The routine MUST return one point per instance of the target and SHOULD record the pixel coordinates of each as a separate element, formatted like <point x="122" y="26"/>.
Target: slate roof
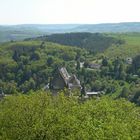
<point x="95" y="65"/>
<point x="70" y="81"/>
<point x="65" y="75"/>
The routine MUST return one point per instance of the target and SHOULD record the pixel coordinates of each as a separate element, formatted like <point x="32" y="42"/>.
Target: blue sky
<point x="68" y="11"/>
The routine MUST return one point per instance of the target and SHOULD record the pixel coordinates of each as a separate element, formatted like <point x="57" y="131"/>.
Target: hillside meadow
<point x="130" y="48"/>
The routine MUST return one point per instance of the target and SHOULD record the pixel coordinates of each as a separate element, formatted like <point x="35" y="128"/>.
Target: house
<point x="81" y="64"/>
<point x="129" y="60"/>
<point x="89" y="94"/>
<point x="94" y="66"/>
<point x="62" y="80"/>
<point x="92" y="94"/>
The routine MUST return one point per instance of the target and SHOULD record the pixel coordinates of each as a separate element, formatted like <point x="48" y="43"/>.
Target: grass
<point x="130" y="48"/>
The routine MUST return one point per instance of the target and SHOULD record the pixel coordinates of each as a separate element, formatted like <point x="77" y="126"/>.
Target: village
<point x="63" y="80"/>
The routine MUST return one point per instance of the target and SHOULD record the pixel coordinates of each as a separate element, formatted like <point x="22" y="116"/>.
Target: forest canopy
<point x="41" y="116"/>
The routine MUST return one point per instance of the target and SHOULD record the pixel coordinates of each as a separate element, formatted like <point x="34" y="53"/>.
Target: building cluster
<point x="63" y="79"/>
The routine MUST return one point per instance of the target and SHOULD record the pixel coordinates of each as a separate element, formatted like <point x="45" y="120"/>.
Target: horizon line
<point x="68" y="23"/>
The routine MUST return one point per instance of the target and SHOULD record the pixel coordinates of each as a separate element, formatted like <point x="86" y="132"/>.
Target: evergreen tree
<point x="104" y="62"/>
<point x="78" y="65"/>
<point x="16" y="56"/>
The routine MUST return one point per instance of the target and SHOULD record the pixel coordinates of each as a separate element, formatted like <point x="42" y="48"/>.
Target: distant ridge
<point x="111" y="27"/>
<point x="57" y="28"/>
<point x="20" y="32"/>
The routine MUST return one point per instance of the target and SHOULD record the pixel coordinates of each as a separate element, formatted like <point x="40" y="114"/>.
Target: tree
<point x="50" y="61"/>
<point x="42" y="46"/>
<point x="39" y="116"/>
<point x="50" y="83"/>
<point x="78" y="65"/>
<point x="104" y="71"/>
<point x="16" y="56"/>
<point x="97" y="86"/>
<point x="125" y="92"/>
<point x="1" y="91"/>
<point x="136" y="97"/>
<point x="136" y="64"/>
<point x="83" y="90"/>
<point x="104" y="62"/>
<point x="35" y="56"/>
<point x="86" y="64"/>
<point x="138" y="72"/>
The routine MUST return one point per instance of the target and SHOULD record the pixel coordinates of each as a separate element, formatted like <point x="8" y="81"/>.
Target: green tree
<point x="78" y="65"/>
<point x="16" y="56"/>
<point x="104" y="62"/>
<point x="41" y="116"/>
<point x="125" y="92"/>
<point x="50" y="61"/>
<point x="35" y="56"/>
<point x="136" y="63"/>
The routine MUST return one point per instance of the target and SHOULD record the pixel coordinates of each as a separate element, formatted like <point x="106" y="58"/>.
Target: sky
<point x="68" y="11"/>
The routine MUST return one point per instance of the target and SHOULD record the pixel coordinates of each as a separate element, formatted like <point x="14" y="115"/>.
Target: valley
<point x="65" y="81"/>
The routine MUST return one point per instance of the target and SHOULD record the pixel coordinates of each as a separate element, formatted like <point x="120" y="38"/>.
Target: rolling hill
<point x="130" y="48"/>
<point x="111" y="45"/>
<point x="94" y="42"/>
<point x="20" y="32"/>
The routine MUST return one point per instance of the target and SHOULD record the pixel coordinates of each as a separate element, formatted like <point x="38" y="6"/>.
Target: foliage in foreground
<point x="41" y="116"/>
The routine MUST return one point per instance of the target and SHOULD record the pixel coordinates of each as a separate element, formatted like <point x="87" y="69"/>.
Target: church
<point x="62" y="80"/>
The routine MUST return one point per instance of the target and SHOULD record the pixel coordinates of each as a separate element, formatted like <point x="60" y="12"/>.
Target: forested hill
<point x="95" y="42"/>
<point x="29" y="65"/>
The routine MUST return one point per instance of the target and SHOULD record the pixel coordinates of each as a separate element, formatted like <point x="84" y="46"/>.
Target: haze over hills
<point x="110" y="67"/>
<point x="111" y="27"/>
<point x="20" y="32"/>
<point x="69" y="69"/>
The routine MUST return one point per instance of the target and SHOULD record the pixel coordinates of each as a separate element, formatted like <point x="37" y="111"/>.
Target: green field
<point x="130" y="48"/>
